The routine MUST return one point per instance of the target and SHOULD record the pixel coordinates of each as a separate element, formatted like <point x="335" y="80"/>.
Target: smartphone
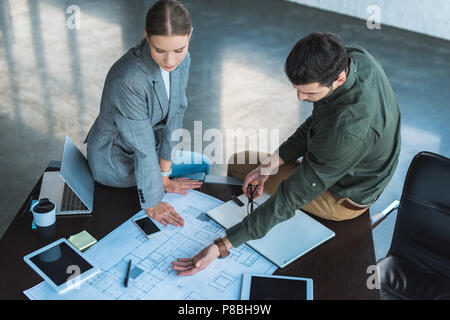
<point x="147" y="227"/>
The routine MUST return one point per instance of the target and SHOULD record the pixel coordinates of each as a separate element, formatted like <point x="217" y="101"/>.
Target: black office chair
<point x="417" y="265"/>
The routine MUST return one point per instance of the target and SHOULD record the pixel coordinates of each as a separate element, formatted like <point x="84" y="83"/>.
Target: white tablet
<point x="61" y="265"/>
<point x="269" y="287"/>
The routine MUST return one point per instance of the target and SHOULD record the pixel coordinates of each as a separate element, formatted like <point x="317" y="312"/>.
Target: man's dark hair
<point x="319" y="57"/>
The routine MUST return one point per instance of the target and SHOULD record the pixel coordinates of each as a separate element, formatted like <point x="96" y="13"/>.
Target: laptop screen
<point x="75" y="172"/>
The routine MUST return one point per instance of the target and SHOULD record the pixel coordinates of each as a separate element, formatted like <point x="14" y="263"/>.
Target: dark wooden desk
<point x="338" y="267"/>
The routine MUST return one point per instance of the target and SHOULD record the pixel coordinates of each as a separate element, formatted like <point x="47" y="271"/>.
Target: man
<point x="350" y="145"/>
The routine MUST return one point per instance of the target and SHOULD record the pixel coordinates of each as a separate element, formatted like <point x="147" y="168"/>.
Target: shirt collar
<point x="149" y="63"/>
<point x="346" y="86"/>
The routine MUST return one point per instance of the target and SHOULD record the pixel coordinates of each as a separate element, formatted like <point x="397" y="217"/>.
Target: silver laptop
<point x="71" y="188"/>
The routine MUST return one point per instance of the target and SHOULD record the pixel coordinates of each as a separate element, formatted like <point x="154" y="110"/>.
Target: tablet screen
<point x="59" y="262"/>
<point x="262" y="288"/>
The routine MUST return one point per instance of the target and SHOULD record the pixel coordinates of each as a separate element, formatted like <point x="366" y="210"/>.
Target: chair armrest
<point x="377" y="218"/>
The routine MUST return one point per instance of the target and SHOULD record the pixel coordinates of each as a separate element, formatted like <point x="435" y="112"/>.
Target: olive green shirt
<point x="350" y="145"/>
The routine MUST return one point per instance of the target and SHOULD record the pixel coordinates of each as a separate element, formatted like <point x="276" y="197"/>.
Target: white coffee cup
<point x="44" y="213"/>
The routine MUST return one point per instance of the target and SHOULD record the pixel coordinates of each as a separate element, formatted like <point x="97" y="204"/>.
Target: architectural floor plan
<point x="151" y="274"/>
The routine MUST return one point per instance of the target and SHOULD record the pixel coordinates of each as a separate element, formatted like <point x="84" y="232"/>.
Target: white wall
<point x="430" y="17"/>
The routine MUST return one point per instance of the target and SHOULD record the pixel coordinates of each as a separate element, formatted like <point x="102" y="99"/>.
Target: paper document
<point x="151" y="274"/>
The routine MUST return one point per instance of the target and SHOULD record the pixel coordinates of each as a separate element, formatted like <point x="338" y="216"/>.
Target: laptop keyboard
<point x="70" y="201"/>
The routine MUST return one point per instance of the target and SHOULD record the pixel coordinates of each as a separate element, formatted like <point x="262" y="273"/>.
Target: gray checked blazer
<point x="136" y="120"/>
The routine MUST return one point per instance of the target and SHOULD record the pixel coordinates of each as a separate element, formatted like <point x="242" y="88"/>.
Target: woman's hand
<point x="180" y="185"/>
<point x="164" y="213"/>
<point x="190" y="266"/>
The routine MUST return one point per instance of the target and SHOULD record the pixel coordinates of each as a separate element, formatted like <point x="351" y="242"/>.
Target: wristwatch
<point x="166" y="173"/>
<point x="222" y="248"/>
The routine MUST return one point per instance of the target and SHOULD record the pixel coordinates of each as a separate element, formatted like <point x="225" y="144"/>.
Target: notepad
<point x="82" y="240"/>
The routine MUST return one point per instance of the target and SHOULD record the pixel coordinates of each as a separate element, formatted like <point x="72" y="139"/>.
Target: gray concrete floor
<point x="52" y="79"/>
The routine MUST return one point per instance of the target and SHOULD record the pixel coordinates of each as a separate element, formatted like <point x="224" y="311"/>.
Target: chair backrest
<point x="422" y="229"/>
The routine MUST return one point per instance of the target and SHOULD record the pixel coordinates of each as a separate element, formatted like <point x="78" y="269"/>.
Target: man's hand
<point x="190" y="266"/>
<point x="164" y="213"/>
<point x="256" y="178"/>
<point x="260" y="175"/>
<point x="180" y="185"/>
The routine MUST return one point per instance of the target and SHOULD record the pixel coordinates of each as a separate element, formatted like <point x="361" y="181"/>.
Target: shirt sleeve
<point x="295" y="146"/>
<point x="132" y="120"/>
<point x="331" y="157"/>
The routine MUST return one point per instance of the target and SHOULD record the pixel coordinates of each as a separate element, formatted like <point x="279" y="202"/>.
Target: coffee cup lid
<point x="44" y="205"/>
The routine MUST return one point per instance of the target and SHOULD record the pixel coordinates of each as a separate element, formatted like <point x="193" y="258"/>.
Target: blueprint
<point x="151" y="274"/>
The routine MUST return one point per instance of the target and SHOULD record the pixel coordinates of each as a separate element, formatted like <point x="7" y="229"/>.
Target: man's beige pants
<point x="324" y="206"/>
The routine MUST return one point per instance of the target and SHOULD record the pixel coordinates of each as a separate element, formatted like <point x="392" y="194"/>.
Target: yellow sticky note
<point x="82" y="240"/>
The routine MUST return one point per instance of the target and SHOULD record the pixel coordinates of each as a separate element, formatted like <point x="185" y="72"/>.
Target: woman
<point x="143" y="102"/>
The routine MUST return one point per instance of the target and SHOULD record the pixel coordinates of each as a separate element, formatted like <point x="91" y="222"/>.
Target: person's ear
<point x="341" y="79"/>
<point x="190" y="35"/>
<point x="146" y="35"/>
